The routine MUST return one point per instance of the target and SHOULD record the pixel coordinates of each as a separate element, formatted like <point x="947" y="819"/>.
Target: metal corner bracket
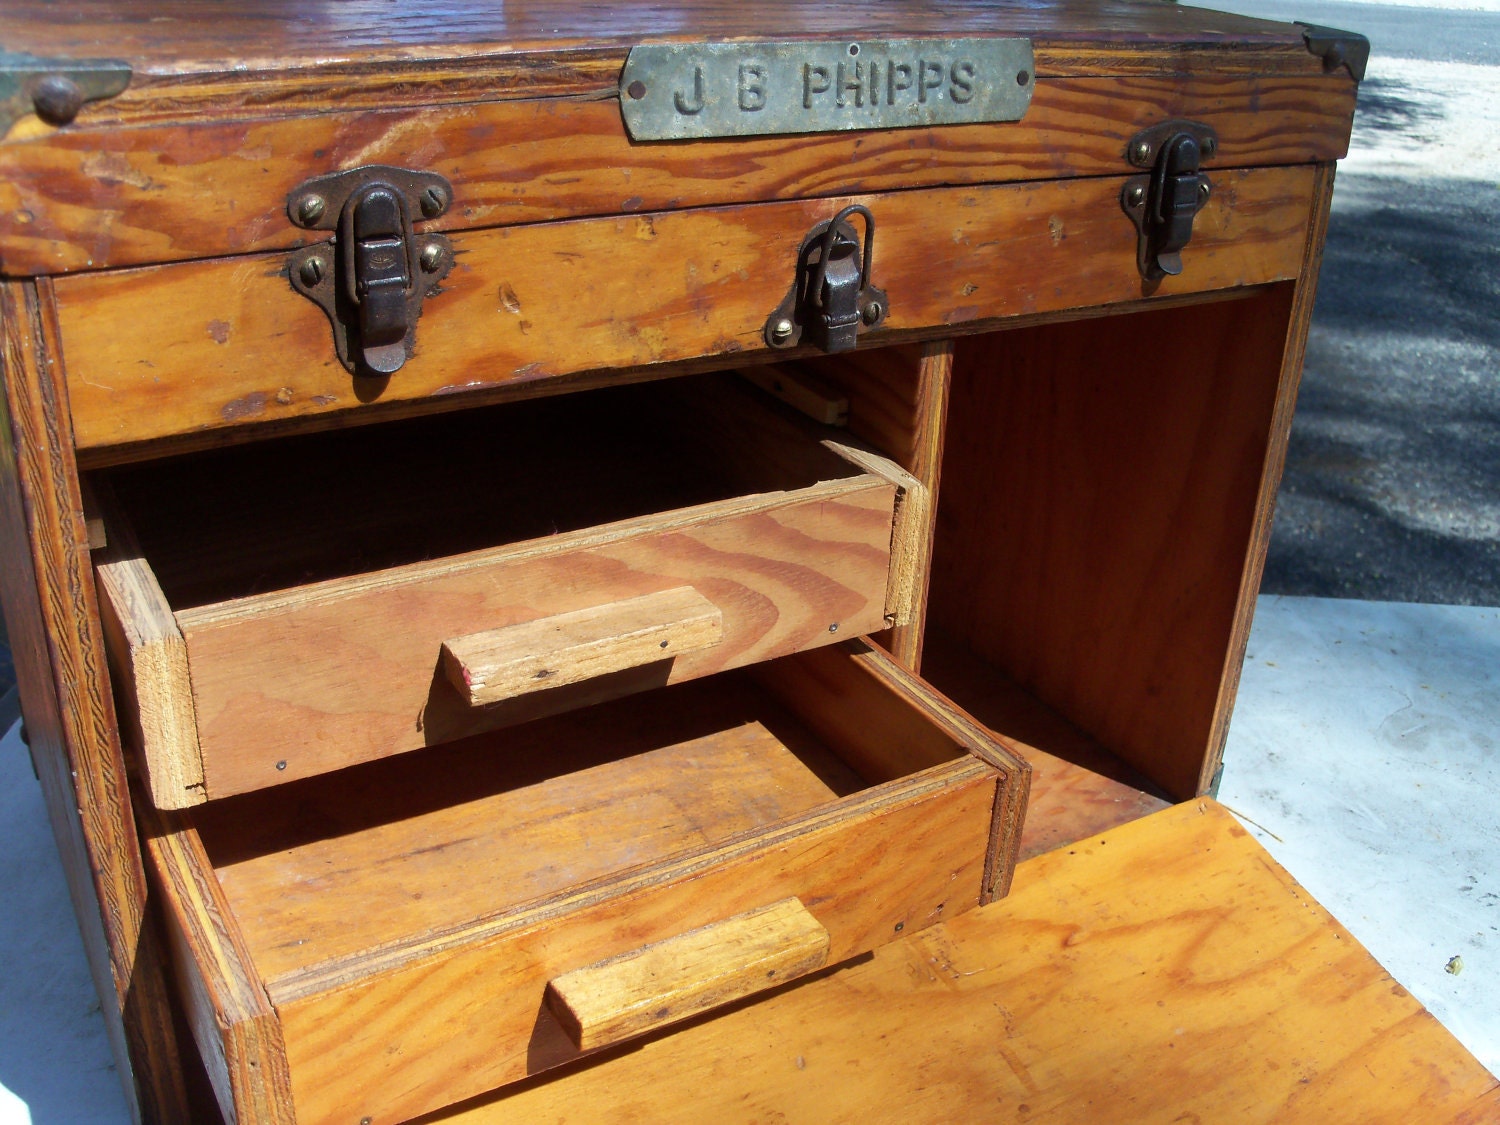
<point x="1337" y="48"/>
<point x="55" y="89"/>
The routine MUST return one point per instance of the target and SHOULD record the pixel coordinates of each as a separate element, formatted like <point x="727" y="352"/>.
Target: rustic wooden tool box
<point x="480" y="579"/>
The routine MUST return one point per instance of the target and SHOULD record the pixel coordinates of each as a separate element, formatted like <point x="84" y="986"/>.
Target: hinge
<point x="1337" y="48"/>
<point x="55" y="89"/>
<point x="371" y="279"/>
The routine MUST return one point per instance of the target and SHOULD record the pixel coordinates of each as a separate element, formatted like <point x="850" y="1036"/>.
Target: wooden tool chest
<point x="531" y="528"/>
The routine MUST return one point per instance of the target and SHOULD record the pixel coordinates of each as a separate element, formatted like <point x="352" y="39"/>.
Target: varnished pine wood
<point x="1270" y="479"/>
<point x="1078" y="788"/>
<point x="383" y="916"/>
<point x="236" y="1029"/>
<point x="948" y="258"/>
<point x="1100" y="490"/>
<point x="802" y="390"/>
<point x="806" y="546"/>
<point x="53" y="625"/>
<point x="277" y="56"/>
<point x="686" y="975"/>
<point x="149" y="662"/>
<point x="565" y="648"/>
<point x="88" y="198"/>
<point x="1168" y="970"/>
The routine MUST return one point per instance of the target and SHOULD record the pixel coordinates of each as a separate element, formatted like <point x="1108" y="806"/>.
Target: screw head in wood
<point x="57" y="99"/>
<point x="311" y="272"/>
<point x="434" y="202"/>
<point x="1141" y="152"/>
<point x="432" y="257"/>
<point x="1203" y="190"/>
<point x="1209" y="147"/>
<point x="783" y="329"/>
<point x="872" y="312"/>
<point x="1135" y="196"/>
<point x="310" y="209"/>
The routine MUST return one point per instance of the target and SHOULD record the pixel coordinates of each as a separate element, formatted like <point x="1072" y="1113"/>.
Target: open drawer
<point x="373" y="944"/>
<point x="299" y="606"/>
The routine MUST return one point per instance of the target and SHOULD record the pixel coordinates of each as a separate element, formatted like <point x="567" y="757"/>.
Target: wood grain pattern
<point x="149" y="662"/>
<point x="54" y="633"/>
<point x="360" y="567"/>
<point x="88" y="198"/>
<point x="687" y="975"/>
<point x="565" y="648"/>
<point x="947" y="257"/>
<point x="407" y="957"/>
<point x="1270" y="479"/>
<point x="1078" y="788"/>
<point x="881" y="733"/>
<point x="1168" y="970"/>
<point x="236" y="1029"/>
<point x="1098" y="515"/>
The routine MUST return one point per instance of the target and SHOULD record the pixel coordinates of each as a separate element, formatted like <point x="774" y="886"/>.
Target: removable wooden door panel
<point x="1167" y="970"/>
<point x="526" y="304"/>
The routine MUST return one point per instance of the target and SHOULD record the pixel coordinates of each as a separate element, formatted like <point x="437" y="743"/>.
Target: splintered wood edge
<point x="685" y="975"/>
<point x="148" y="653"/>
<point x="567" y="648"/>
<point x="909" y="529"/>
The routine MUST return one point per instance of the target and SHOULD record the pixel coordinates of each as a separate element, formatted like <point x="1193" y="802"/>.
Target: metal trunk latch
<point x="831" y="300"/>
<point x="1163" y="203"/>
<point x="370" y="280"/>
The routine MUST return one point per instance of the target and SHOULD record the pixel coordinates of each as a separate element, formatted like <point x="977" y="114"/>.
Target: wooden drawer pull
<point x="569" y="647"/>
<point x="687" y="974"/>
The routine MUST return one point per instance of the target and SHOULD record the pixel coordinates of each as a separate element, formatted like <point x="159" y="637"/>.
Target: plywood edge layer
<point x="685" y="975"/>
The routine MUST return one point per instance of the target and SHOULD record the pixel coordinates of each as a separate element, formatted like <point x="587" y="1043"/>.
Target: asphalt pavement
<point x="1392" y="486"/>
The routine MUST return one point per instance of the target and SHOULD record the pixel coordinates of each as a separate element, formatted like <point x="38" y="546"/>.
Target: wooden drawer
<point x="243" y="349"/>
<point x="374" y="944"/>
<point x="290" y="608"/>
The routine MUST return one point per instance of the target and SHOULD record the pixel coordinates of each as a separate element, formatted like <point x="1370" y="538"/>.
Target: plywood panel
<point x="1167" y="971"/>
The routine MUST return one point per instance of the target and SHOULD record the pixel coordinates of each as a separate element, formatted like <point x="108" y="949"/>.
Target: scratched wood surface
<point x="390" y="921"/>
<point x="178" y="38"/>
<point x="53" y="623"/>
<point x="88" y="198"/>
<point x="241" y="347"/>
<point x="1167" y="971"/>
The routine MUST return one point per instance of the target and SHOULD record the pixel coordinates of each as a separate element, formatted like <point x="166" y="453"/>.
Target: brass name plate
<point x="689" y="91"/>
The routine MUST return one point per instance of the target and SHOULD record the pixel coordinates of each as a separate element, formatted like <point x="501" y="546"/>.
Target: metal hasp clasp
<point x="1163" y="203"/>
<point x="371" y="279"/>
<point x="831" y="300"/>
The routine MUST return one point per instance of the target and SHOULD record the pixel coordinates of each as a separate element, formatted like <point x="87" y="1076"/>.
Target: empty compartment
<point x="283" y="609"/>
<point x="378" y="942"/>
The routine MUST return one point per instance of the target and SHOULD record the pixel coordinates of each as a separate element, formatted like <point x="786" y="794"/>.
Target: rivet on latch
<point x="372" y="279"/>
<point x="1163" y="203"/>
<point x="831" y="300"/>
<point x="57" y="99"/>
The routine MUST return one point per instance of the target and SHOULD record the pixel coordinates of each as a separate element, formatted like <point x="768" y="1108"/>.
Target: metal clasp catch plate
<point x="371" y="279"/>
<point x="831" y="301"/>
